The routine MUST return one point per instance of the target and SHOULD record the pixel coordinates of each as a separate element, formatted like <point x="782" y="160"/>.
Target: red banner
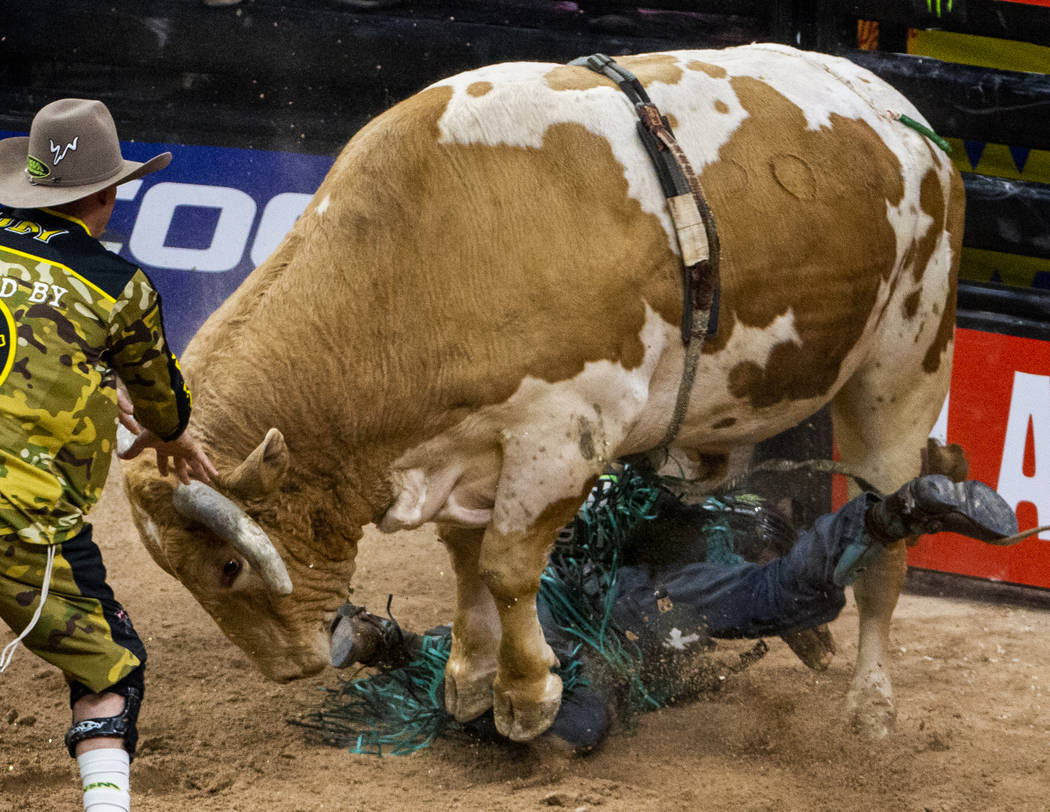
<point x="1029" y="2"/>
<point x="999" y="412"/>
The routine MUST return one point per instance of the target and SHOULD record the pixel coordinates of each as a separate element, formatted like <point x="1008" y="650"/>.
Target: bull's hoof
<point x="871" y="715"/>
<point x="467" y="697"/>
<point x="815" y="647"/>
<point x="523" y="715"/>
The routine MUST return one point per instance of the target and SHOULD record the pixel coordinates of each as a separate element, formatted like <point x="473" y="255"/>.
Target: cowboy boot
<point x="358" y="636"/>
<point x="928" y="504"/>
<point x="935" y="504"/>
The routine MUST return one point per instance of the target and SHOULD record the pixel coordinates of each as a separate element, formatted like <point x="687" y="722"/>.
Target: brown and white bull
<point x="480" y="310"/>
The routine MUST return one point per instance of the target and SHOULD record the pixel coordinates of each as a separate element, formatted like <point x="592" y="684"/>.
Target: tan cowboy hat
<point x="72" y="151"/>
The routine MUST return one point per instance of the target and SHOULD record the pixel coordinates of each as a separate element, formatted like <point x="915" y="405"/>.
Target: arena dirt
<point x="972" y="683"/>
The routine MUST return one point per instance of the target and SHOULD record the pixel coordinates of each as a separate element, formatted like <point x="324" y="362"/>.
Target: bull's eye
<point x="230" y="569"/>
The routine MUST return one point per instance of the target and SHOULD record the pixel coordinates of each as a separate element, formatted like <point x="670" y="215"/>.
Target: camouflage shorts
<point x="82" y="629"/>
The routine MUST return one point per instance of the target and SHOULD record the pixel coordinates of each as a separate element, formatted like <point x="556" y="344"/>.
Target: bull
<point x="480" y="310"/>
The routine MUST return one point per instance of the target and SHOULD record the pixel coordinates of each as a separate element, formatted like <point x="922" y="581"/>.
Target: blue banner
<point x="199" y="227"/>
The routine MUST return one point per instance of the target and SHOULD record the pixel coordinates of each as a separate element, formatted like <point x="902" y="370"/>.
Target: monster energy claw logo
<point x="934" y="6"/>
<point x="36" y="168"/>
<point x="60" y="153"/>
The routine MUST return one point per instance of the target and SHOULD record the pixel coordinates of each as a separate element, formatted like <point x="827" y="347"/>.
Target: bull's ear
<point x="262" y="471"/>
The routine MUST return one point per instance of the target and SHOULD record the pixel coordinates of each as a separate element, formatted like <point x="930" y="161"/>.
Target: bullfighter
<point x="73" y="318"/>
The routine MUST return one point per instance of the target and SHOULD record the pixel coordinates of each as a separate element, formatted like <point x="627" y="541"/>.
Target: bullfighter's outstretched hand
<point x="183" y="455"/>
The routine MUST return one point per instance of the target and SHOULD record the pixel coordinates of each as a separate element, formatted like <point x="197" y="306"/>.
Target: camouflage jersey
<point x="73" y="317"/>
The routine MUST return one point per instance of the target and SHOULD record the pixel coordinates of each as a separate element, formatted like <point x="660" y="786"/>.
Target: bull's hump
<point x="514" y="103"/>
<point x="529" y="264"/>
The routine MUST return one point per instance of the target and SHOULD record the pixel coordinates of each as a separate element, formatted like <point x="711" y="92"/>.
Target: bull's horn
<point x="262" y="470"/>
<point x="201" y="503"/>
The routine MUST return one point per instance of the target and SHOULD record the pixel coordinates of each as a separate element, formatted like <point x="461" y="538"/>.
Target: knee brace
<point x="122" y="725"/>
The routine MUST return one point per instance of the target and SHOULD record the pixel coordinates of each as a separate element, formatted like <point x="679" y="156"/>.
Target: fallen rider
<point x="638" y="585"/>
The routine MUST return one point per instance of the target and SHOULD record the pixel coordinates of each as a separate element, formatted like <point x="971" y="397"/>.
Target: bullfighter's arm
<point x="140" y="355"/>
<point x="153" y="399"/>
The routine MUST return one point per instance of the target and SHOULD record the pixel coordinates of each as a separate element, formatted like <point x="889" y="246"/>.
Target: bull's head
<point x="252" y="561"/>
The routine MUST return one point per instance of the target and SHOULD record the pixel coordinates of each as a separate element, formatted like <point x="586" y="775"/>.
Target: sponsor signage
<point x="999" y="412"/>
<point x="199" y="227"/>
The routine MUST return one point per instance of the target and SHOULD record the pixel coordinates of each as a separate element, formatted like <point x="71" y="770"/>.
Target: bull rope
<point x="694" y="224"/>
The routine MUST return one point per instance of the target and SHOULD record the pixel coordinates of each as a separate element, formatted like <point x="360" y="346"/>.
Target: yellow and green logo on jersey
<point x="7" y="341"/>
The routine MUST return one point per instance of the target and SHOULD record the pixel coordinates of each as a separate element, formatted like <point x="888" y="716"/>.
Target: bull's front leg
<point x="545" y="476"/>
<point x="472" y="663"/>
<point x="526" y="695"/>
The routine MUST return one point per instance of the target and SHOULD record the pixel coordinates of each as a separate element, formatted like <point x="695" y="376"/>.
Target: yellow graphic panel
<point x="1010" y="269"/>
<point x="999" y="160"/>
<point x="984" y="52"/>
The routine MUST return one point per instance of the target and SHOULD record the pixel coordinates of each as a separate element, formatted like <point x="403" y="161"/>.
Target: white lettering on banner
<point x="277" y="219"/>
<point x="1029" y="411"/>
<point x="7" y="287"/>
<point x="126" y="191"/>
<point x="129" y="190"/>
<point x="236" y="214"/>
<point x="939" y="432"/>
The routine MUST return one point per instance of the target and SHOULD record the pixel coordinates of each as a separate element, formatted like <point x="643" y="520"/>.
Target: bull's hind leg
<point x="882" y="418"/>
<point x="472" y="663"/>
<point x="884" y="413"/>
